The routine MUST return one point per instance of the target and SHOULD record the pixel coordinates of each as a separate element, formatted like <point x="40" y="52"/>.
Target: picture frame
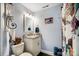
<point x="49" y="20"/>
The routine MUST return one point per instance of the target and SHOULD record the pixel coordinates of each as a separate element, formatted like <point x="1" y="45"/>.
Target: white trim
<point x="47" y="52"/>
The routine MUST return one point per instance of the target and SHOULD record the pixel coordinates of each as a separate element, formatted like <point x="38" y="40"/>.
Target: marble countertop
<point x="32" y="35"/>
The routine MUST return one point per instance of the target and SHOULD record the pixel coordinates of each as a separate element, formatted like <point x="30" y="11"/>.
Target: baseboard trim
<point x="47" y="52"/>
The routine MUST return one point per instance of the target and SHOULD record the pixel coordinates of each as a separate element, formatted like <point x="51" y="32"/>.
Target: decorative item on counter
<point x="29" y="28"/>
<point x="37" y="29"/>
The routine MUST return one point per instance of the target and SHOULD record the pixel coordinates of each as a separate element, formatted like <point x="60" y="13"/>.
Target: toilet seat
<point x="25" y="54"/>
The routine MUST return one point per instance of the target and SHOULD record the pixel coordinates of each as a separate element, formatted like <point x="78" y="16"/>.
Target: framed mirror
<point x="27" y="24"/>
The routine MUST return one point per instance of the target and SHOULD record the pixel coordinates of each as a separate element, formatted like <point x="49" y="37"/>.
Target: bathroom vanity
<point x="33" y="43"/>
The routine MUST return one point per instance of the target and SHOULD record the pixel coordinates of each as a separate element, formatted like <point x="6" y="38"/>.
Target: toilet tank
<point x="18" y="49"/>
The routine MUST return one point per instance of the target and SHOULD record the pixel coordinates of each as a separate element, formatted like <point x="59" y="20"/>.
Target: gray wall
<point x="18" y="12"/>
<point x="51" y="33"/>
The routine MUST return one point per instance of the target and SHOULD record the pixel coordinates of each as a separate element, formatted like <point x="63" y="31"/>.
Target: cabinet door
<point x="28" y="44"/>
<point x="33" y="45"/>
<point x="36" y="46"/>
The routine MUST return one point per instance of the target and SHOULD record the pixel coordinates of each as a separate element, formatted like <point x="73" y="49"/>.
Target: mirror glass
<point x="28" y="24"/>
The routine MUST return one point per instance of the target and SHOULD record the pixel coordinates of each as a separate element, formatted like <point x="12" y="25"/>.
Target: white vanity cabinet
<point x="33" y="44"/>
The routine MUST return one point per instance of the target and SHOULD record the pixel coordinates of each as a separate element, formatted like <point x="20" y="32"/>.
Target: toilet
<point x="18" y="50"/>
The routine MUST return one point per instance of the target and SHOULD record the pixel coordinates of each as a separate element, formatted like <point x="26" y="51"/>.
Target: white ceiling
<point x="35" y="7"/>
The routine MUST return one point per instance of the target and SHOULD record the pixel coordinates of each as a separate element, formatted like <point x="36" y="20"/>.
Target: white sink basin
<point x="32" y="36"/>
